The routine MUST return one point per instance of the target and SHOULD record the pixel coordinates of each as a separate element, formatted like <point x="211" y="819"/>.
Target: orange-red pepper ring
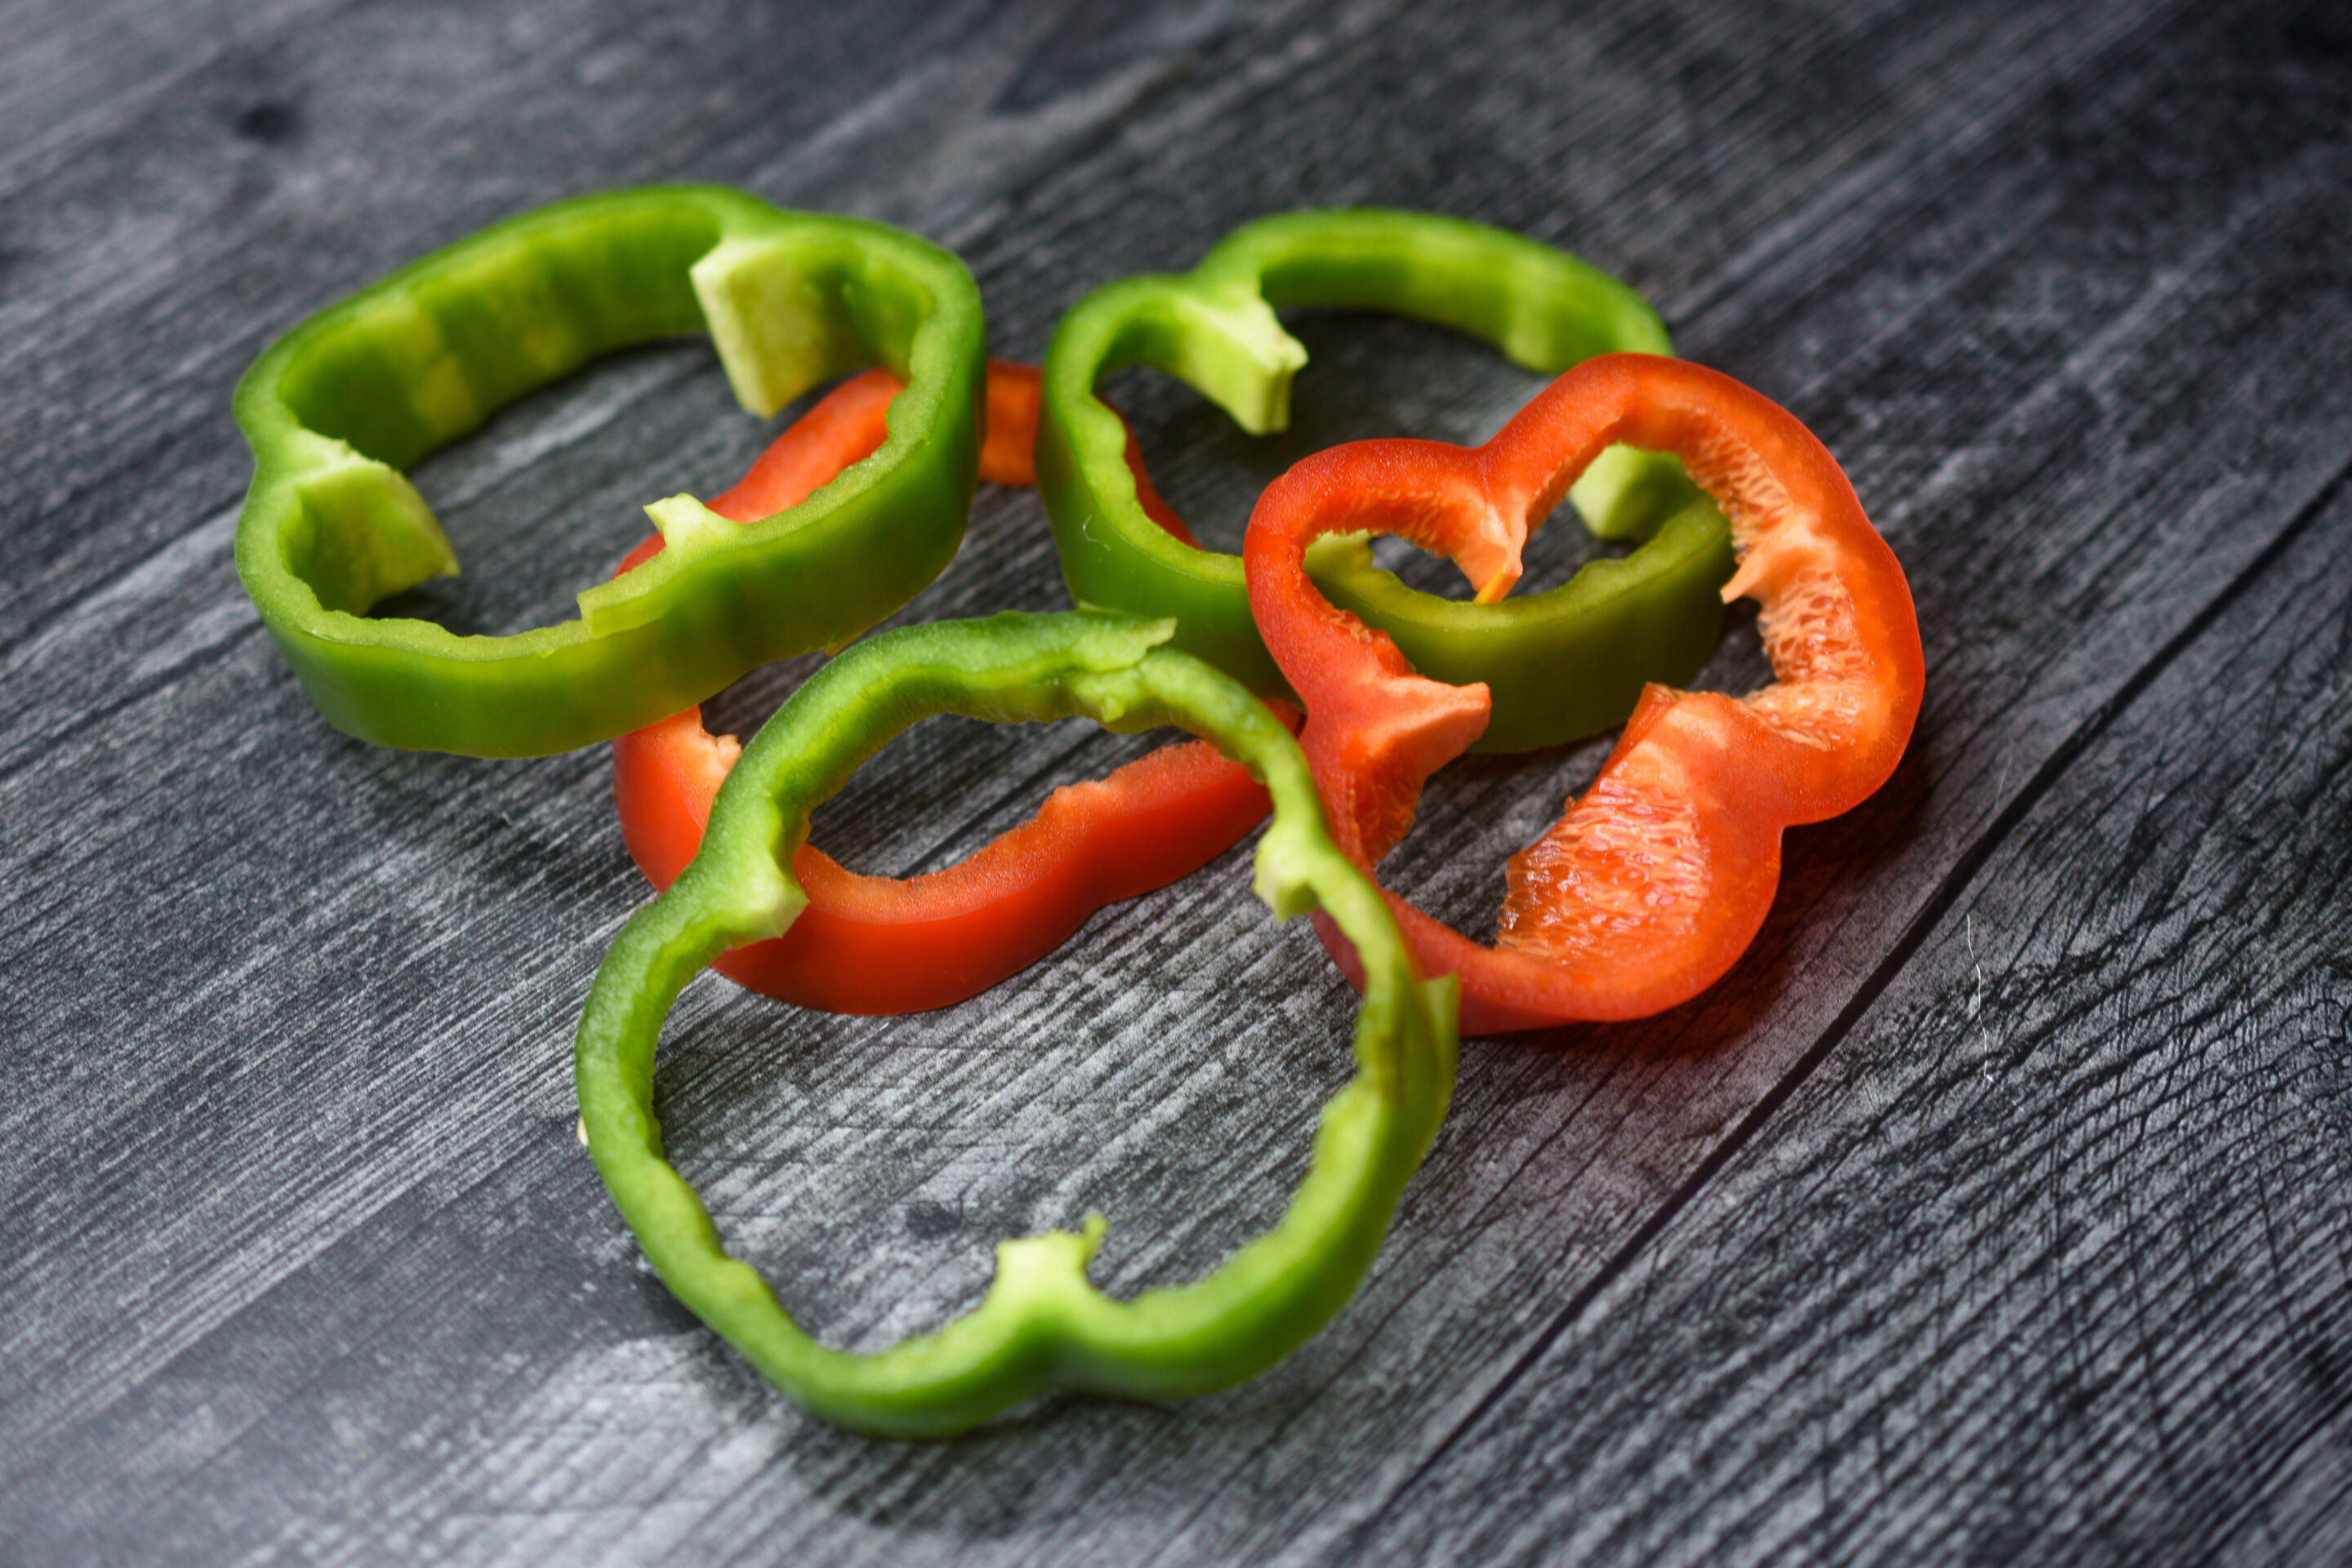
<point x="884" y="945"/>
<point x="879" y="944"/>
<point x="1651" y="886"/>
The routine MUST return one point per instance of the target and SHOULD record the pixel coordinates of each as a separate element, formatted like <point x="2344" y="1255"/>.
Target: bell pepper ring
<point x="1042" y="1325"/>
<point x="881" y="945"/>
<point x="1561" y="664"/>
<point x="1650" y="887"/>
<point x="339" y="405"/>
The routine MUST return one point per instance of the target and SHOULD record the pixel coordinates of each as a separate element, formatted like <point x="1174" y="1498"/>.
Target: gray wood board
<point x="2048" y="1261"/>
<point x="308" y="1266"/>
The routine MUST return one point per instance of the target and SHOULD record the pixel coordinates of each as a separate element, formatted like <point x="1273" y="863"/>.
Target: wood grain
<point x="308" y="1266"/>
<point x="2049" y="1261"/>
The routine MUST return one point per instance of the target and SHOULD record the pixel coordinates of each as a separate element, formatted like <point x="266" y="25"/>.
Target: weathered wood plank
<point x="307" y="1262"/>
<point x="2050" y="1262"/>
<point x="67" y="72"/>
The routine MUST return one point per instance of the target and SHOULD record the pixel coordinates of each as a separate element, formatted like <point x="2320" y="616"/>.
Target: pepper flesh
<point x="1042" y="1325"/>
<point x="879" y="944"/>
<point x="1651" y="885"/>
<point x="343" y="401"/>
<point x="1561" y="664"/>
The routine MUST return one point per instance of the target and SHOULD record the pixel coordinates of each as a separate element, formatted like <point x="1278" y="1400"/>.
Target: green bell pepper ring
<point x="1561" y="664"/>
<point x="337" y="407"/>
<point x="1042" y="1325"/>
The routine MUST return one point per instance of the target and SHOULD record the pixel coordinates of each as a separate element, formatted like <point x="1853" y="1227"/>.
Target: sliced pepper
<point x="1561" y="664"/>
<point x="1651" y="886"/>
<point x="883" y="946"/>
<point x="879" y="944"/>
<point x="1042" y="1325"/>
<point x="336" y="409"/>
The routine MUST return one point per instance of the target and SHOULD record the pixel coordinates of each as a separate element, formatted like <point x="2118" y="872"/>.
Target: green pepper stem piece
<point x="336" y="409"/>
<point x="1563" y="664"/>
<point x="1042" y="1325"/>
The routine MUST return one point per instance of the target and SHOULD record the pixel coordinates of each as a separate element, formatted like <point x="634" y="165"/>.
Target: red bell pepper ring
<point x="1650" y="887"/>
<point x="879" y="944"/>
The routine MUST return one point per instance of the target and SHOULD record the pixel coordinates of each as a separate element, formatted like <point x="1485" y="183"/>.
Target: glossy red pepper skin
<point x="882" y="945"/>
<point x="1651" y="885"/>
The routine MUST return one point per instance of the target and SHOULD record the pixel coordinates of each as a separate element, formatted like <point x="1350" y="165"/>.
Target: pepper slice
<point x="1651" y="886"/>
<point x="339" y="406"/>
<point x="1042" y="1325"/>
<point x="1561" y="664"/>
<point x="879" y="944"/>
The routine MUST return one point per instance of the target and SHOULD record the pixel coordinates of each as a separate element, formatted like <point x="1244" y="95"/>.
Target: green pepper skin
<point x="1561" y="664"/>
<point x="336" y="409"/>
<point x="1042" y="1326"/>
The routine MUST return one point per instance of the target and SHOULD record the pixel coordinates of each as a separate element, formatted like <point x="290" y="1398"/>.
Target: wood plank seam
<point x="1874" y="185"/>
<point x="1947" y="893"/>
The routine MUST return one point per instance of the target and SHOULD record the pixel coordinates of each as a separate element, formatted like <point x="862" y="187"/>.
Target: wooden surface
<point x="1996" y="1208"/>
